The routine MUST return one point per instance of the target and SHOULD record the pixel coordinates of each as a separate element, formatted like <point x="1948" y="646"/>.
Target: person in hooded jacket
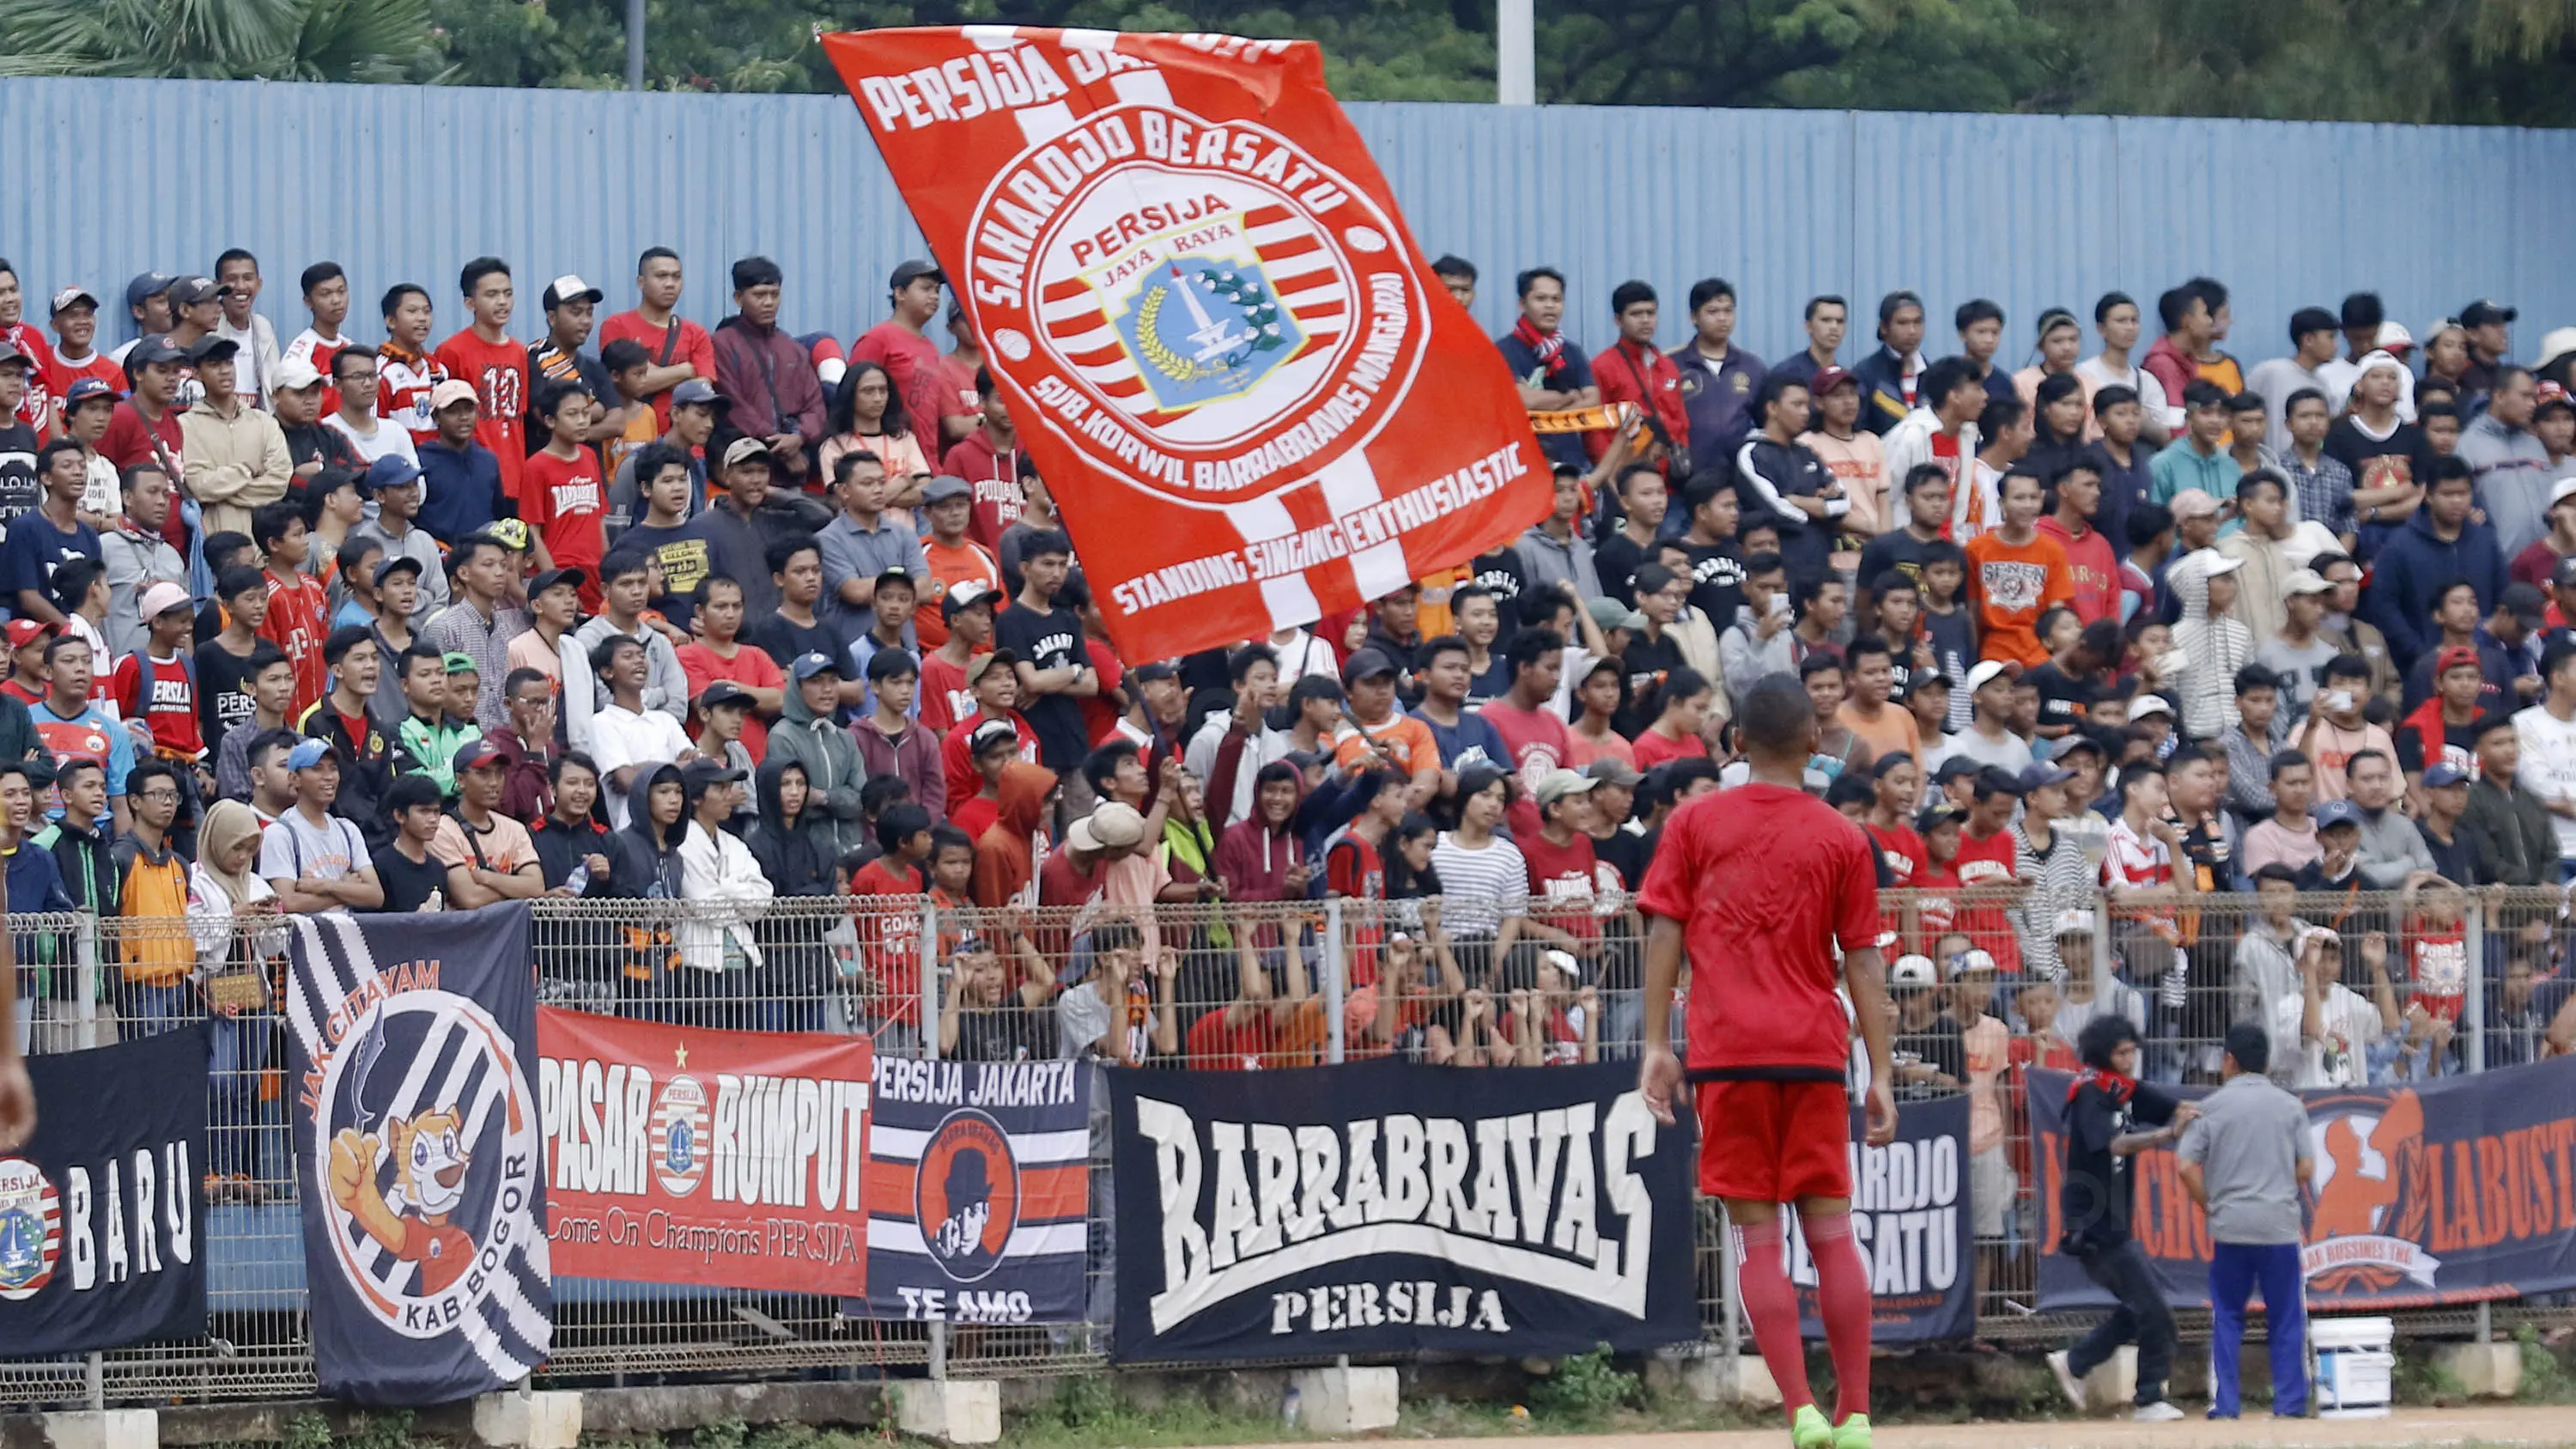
<point x="2214" y="644"/>
<point x="1006" y="871"/>
<point x="1259" y="858"/>
<point x="809" y="732"/>
<point x="788" y="844"/>
<point x="644" y="864"/>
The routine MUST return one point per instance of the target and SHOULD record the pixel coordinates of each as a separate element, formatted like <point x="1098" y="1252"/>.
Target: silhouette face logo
<point x="967" y="1195"/>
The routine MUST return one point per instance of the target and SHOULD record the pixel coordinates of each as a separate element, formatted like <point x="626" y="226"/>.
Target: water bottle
<point x="1293" y="1408"/>
<point x="437" y="901"/>
<point x="579" y="880"/>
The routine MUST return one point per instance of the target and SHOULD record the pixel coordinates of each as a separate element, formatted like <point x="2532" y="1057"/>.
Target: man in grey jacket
<point x="2393" y="854"/>
<point x="2265" y="974"/>
<point x="2243" y="1158"/>
<point x="2513" y="468"/>
<point x="1760" y="641"/>
<point x="1554" y="550"/>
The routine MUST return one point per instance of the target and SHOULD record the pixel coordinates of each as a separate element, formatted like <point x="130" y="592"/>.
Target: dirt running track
<point x="2409" y="1427"/>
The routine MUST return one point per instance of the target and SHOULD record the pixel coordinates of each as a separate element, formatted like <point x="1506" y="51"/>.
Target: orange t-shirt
<point x="1406" y="738"/>
<point x="950" y="567"/>
<point x="2010" y="586"/>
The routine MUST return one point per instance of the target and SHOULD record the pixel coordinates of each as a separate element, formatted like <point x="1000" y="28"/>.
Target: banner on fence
<point x="1250" y="397"/>
<point x="979" y="1192"/>
<point x="102" y="1214"/>
<point x="1293" y="1213"/>
<point x="421" y="1171"/>
<point x="2444" y="1191"/>
<point x="1911" y="1221"/>
<point x="726" y="1159"/>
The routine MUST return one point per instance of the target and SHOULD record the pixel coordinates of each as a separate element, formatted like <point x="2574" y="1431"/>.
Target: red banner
<point x="725" y="1159"/>
<point x="1251" y="398"/>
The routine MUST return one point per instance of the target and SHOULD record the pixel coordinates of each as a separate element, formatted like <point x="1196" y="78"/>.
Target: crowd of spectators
<point x="732" y="617"/>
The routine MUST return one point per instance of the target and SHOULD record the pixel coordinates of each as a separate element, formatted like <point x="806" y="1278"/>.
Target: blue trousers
<point x="2234" y="1270"/>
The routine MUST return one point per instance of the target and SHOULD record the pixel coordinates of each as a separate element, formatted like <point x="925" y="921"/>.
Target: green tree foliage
<point x="2509" y="62"/>
<point x="292" y="40"/>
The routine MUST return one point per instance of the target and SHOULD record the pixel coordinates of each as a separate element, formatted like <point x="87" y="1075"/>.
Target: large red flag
<point x="1232" y="366"/>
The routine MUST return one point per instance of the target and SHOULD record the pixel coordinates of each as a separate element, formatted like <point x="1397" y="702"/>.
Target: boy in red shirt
<point x="889" y="923"/>
<point x="168" y="615"/>
<point x="1763" y="883"/>
<point x="1988" y="857"/>
<point x="561" y="495"/>
<point x="1562" y="869"/>
<point x="495" y="364"/>
<point x="297" y="602"/>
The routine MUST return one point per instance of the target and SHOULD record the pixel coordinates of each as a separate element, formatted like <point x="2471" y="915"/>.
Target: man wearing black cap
<point x="147" y="302"/>
<point x="237" y="459"/>
<point x="146" y="427"/>
<point x="901" y="346"/>
<point x="2490" y="329"/>
<point x="1385" y="734"/>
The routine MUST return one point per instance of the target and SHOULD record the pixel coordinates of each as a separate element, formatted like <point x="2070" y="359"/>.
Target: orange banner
<point x="1249" y="395"/>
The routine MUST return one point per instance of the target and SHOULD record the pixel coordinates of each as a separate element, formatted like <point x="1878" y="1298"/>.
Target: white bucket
<point x="2354" y="1366"/>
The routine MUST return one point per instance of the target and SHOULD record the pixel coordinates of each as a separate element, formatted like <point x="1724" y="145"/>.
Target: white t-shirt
<point x="620" y="737"/>
<point x="297" y="849"/>
<point x="2548" y="767"/>
<point x="2350" y="1023"/>
<point x="2151" y="393"/>
<point x="387" y="441"/>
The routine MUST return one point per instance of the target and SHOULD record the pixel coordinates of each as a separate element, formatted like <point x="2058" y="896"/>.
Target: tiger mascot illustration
<point x="412" y="1221"/>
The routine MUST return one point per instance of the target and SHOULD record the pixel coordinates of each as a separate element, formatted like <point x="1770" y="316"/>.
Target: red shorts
<point x="1774" y="1141"/>
<point x="2441" y="1008"/>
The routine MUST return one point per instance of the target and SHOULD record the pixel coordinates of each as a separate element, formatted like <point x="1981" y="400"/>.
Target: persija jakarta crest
<point x="1214" y="331"/>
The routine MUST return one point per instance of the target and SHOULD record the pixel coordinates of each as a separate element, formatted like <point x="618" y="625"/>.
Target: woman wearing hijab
<point x="232" y="914"/>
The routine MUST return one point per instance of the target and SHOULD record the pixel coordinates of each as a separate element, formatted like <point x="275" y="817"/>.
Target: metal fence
<point x="1478" y="985"/>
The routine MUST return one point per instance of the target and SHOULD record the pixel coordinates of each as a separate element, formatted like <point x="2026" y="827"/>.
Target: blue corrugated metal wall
<point x="109" y="178"/>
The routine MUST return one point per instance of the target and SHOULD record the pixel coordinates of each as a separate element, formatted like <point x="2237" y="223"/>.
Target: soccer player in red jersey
<point x="1760" y="884"/>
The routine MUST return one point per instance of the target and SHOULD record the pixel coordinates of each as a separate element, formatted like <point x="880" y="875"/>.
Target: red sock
<point x="1771" y="1306"/>
<point x="1842" y="1296"/>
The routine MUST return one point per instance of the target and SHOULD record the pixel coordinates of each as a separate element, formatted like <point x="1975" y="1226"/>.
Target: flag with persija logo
<point x="1241" y="381"/>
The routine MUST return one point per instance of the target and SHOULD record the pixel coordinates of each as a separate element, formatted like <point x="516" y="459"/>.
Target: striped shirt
<point x="2323" y="493"/>
<point x="2060" y="880"/>
<point x="1479" y="887"/>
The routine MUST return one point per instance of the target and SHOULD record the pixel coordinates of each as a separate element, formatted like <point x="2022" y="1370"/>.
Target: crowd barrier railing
<point x="1226" y="985"/>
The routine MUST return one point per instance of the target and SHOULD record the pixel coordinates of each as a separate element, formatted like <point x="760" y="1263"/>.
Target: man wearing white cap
<point x="2296" y="652"/>
<point x="1989" y="738"/>
<point x="2389" y="459"/>
<point x="2213" y="642"/>
<point x="571" y="304"/>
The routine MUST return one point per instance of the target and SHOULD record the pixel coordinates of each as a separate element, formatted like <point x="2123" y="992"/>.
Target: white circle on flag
<point x="1012" y="343"/>
<point x="1365" y="239"/>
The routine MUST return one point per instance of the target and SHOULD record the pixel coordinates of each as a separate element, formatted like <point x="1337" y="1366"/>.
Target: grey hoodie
<point x="2513" y="481"/>
<point x="2213" y="649"/>
<point x="1744" y="657"/>
<point x="834" y="770"/>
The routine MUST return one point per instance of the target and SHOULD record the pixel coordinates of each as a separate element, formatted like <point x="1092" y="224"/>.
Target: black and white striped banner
<point x="418" y="1154"/>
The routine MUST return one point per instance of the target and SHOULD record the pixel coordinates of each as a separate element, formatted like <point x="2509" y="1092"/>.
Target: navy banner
<point x="1912" y="1224"/>
<point x="978" y="1192"/>
<point x="102" y="1215"/>
<point x="2445" y="1191"/>
<point x="418" y="1153"/>
<point x="1387" y="1207"/>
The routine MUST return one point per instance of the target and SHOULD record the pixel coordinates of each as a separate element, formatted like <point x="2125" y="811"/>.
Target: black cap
<point x="697" y="775"/>
<point x="552" y="577"/>
<point x="394" y="564"/>
<point x="213" y="347"/>
<point x="909" y="272"/>
<point x="2482" y="312"/>
<point x="1153" y="669"/>
<point x="724" y="692"/>
<point x="153" y="348"/>
<point x="1366" y="664"/>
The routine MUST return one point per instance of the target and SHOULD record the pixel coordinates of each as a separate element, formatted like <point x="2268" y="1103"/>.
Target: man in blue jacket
<point x="2440" y="544"/>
